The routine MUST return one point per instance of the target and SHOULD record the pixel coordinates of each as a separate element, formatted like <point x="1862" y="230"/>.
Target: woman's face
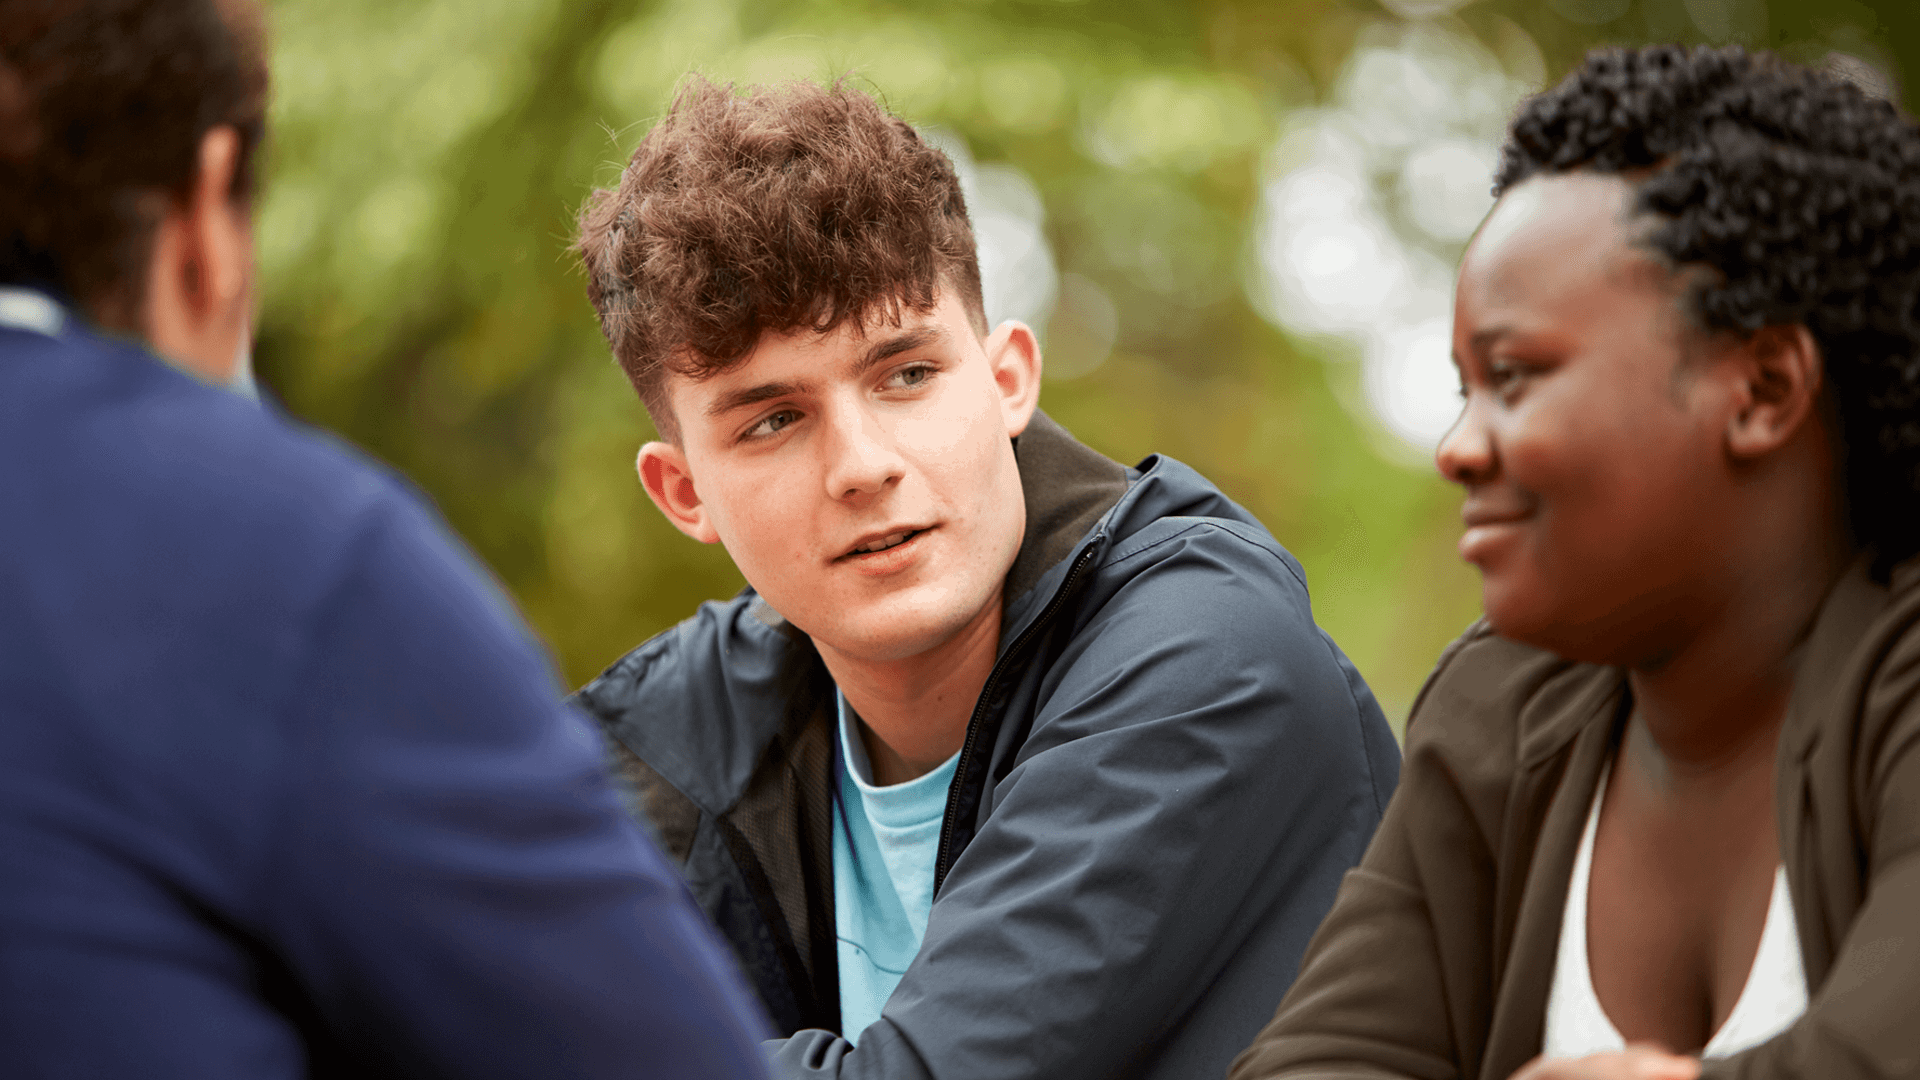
<point x="1590" y="445"/>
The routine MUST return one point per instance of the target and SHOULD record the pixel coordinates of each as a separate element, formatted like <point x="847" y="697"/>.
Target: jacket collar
<point x="1068" y="487"/>
<point x="1833" y="650"/>
<point x="31" y="309"/>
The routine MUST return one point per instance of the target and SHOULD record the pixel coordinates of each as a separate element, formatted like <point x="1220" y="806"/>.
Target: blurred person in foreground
<point x="1011" y="761"/>
<point x="1661" y="809"/>
<point x="285" y="790"/>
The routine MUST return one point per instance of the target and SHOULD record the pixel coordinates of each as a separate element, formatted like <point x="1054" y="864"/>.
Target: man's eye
<point x="909" y="377"/>
<point x="772" y="424"/>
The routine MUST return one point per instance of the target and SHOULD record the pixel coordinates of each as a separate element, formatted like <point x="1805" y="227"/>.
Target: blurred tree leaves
<point x="419" y="297"/>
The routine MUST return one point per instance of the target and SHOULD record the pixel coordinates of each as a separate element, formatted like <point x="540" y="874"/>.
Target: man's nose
<point x="862" y="458"/>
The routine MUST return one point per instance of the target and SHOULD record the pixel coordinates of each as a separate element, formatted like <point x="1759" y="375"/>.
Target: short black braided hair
<point x="1802" y="194"/>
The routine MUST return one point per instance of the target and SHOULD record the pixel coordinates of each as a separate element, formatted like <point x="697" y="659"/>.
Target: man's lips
<point x="878" y="543"/>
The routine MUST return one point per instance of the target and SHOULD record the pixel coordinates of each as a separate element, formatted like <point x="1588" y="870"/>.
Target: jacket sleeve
<point x="456" y="886"/>
<point x="1202" y="767"/>
<point x="1860" y="1023"/>
<point x="1371" y="1000"/>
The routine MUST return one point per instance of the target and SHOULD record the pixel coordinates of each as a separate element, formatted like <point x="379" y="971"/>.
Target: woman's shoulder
<point x="1862" y="667"/>
<point x="1496" y="704"/>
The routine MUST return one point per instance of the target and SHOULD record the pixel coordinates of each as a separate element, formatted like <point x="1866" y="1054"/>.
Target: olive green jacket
<point x="1437" y="956"/>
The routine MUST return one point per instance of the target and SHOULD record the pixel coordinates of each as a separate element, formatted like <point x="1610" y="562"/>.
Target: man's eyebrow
<point x="879" y="353"/>
<point x="882" y="351"/>
<point x="750" y="395"/>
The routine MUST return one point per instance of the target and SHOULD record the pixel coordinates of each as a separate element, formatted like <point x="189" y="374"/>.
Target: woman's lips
<point x="1486" y="535"/>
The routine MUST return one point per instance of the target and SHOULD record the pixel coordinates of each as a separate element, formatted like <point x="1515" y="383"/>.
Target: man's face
<point x="863" y="481"/>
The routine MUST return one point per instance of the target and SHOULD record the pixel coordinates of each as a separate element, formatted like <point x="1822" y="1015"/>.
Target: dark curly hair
<point x="103" y="104"/>
<point x="740" y="215"/>
<point x="1802" y="195"/>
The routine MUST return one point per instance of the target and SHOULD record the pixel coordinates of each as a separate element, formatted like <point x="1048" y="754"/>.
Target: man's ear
<point x="1013" y="354"/>
<point x="198" y="303"/>
<point x="1778" y="373"/>
<point x="663" y="472"/>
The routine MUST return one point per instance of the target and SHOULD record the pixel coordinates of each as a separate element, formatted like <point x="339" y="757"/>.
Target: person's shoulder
<point x="740" y="639"/>
<point x="147" y="483"/>
<point x="1496" y="701"/>
<point x="1861" y="661"/>
<point x="108" y="413"/>
<point x="1170" y="503"/>
<point x="700" y="701"/>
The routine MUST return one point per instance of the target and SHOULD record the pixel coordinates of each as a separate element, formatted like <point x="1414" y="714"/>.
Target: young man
<point x="285" y="789"/>
<point x="1012" y="761"/>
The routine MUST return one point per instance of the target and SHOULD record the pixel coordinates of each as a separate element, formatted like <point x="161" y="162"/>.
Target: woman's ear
<point x="1779" y="376"/>
<point x="1013" y="354"/>
<point x="663" y="472"/>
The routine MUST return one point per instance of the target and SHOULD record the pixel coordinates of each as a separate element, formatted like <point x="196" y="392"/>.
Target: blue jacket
<point x="1167" y="773"/>
<point x="285" y="790"/>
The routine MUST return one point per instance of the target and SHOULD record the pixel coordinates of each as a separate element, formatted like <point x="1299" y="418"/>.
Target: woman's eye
<point x="772" y="424"/>
<point x="1503" y="379"/>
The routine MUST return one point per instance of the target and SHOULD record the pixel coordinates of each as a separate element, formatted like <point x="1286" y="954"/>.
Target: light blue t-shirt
<point x="883" y="850"/>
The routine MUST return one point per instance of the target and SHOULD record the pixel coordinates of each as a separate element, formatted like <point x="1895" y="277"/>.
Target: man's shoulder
<point x="154" y="497"/>
<point x="1172" y="512"/>
<point x="700" y="701"/>
<point x="123" y="433"/>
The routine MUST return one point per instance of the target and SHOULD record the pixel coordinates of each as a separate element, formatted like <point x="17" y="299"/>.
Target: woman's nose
<point x="1466" y="454"/>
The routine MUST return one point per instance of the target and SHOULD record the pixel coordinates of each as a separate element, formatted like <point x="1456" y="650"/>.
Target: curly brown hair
<point x="103" y="104"/>
<point x="784" y="207"/>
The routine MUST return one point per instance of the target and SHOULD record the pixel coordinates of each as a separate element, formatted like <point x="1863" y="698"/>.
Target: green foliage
<point x="419" y="298"/>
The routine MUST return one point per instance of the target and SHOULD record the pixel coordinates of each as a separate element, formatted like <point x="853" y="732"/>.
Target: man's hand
<point x="1640" y="1062"/>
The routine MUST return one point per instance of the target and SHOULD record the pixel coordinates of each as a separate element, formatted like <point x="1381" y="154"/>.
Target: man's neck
<point x="914" y="711"/>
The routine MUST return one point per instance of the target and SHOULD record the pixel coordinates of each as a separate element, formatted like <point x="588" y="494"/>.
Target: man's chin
<point x="888" y="646"/>
<point x="885" y="633"/>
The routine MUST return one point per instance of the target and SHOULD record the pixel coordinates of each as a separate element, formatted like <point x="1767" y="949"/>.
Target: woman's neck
<point x="1719" y="694"/>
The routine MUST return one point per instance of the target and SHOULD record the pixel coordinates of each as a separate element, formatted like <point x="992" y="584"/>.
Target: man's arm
<point x="457" y="887"/>
<point x="1372" y="1001"/>
<point x="1197" y="778"/>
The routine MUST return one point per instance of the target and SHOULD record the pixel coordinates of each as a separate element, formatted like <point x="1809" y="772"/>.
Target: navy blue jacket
<point x="285" y="789"/>
<point x="1166" y="774"/>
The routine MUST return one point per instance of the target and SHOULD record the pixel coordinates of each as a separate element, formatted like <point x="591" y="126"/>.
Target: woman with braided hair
<point x="1660" y="811"/>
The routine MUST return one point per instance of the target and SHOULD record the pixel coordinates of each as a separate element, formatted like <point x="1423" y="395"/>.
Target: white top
<point x="1774" y="996"/>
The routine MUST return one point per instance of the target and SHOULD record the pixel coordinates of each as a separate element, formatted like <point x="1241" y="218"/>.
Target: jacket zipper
<point x="974" y="723"/>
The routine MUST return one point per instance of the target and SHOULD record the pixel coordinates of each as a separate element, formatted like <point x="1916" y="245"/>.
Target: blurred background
<point x="1234" y="223"/>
